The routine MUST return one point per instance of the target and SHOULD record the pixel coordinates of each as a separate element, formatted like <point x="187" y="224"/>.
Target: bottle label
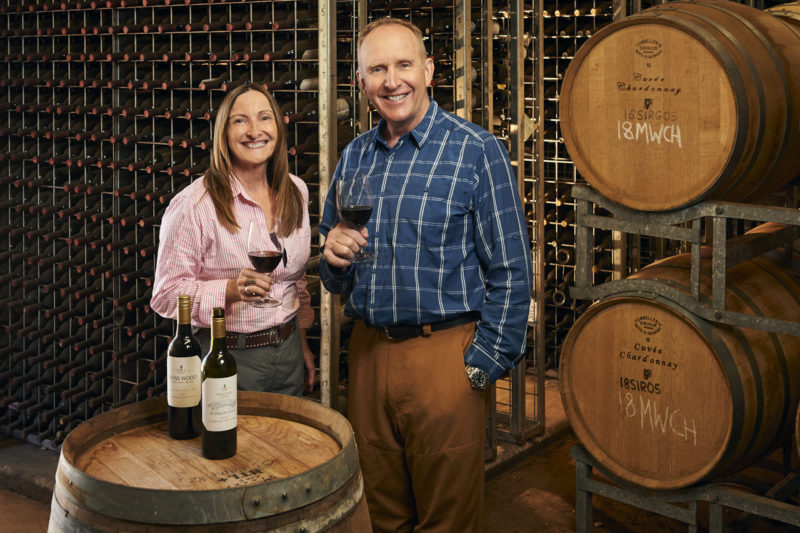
<point x="219" y="403"/>
<point x="183" y="381"/>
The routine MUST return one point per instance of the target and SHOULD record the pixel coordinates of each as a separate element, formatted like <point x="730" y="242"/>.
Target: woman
<point x="203" y="247"/>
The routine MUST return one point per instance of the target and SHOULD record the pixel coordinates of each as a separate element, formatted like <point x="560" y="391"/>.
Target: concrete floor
<point x="22" y="515"/>
<point x="27" y="475"/>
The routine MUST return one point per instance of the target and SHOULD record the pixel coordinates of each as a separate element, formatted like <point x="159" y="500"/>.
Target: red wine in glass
<point x="265" y="261"/>
<point x="354" y="203"/>
<point x="265" y="250"/>
<point x="356" y="215"/>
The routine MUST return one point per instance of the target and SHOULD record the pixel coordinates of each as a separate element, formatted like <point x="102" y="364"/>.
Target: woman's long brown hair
<point x="288" y="200"/>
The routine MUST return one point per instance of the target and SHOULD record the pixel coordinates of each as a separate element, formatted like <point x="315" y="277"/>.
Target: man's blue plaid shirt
<point x="449" y="232"/>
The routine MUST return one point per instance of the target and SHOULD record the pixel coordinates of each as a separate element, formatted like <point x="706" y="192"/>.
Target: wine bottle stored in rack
<point x="90" y="104"/>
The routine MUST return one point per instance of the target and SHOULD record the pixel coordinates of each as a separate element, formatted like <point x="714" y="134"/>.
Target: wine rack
<point x="558" y="29"/>
<point x="108" y="111"/>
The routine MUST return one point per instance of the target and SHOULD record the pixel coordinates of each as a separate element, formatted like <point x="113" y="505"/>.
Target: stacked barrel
<point x="684" y="103"/>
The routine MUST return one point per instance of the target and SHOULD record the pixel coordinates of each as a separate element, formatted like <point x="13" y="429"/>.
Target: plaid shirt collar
<point x="418" y="135"/>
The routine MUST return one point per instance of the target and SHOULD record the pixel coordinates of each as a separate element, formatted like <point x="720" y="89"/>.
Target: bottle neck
<point x="184" y="330"/>
<point x="217" y="329"/>
<point x="184" y="314"/>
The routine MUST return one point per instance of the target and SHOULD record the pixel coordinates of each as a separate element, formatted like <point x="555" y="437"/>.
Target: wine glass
<point x="265" y="250"/>
<point x="354" y="203"/>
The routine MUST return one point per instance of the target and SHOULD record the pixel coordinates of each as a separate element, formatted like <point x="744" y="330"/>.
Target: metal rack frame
<point x="329" y="325"/>
<point x="522" y="428"/>
<point x="672" y="225"/>
<point x="665" y="503"/>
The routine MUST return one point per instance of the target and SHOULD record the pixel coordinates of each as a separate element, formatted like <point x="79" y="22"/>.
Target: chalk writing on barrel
<point x="663" y="420"/>
<point x="647" y="132"/>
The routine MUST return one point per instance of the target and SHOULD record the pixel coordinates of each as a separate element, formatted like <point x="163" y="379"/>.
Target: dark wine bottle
<point x="201" y="139"/>
<point x="183" y="377"/>
<point x="219" y="394"/>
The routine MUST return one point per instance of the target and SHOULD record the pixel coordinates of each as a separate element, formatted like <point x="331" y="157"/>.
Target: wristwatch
<point x="477" y="377"/>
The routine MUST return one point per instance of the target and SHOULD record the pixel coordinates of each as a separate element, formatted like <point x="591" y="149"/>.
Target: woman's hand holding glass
<point x="265" y="250"/>
<point x="251" y="286"/>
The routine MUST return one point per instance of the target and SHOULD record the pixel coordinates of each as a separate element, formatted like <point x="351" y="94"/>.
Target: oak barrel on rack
<point x="665" y="399"/>
<point x="787" y="254"/>
<point x="797" y="429"/>
<point x="685" y="102"/>
<point x="788" y="12"/>
<point x="296" y="469"/>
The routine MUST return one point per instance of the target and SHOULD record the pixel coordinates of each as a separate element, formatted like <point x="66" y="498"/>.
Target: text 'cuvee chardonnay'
<point x="183" y="377"/>
<point x="219" y="394"/>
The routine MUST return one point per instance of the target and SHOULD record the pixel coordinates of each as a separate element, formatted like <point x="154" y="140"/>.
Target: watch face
<point x="478" y="378"/>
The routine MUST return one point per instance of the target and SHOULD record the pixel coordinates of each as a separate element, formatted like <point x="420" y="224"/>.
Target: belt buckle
<point x="386" y="332"/>
<point x="273" y="337"/>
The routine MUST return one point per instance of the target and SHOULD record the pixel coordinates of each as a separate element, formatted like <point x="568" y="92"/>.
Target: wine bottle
<point x="138" y="245"/>
<point x="46" y="377"/>
<point x="218" y="394"/>
<point x="261" y="53"/>
<point x="80" y="392"/>
<point x="201" y="139"/>
<point x="183" y="377"/>
<point x="107" y="396"/>
<point x="163" y="328"/>
<point x="299" y="19"/>
<point x="302" y="49"/>
<point x="141" y="387"/>
<point x="263" y="22"/>
<point x="308" y="111"/>
<point x="32" y="359"/>
<point x="94" y="339"/>
<point x="132" y="353"/>
<point x="181" y="81"/>
<point x="77" y="415"/>
<point x="213" y="83"/>
<point x="155" y="218"/>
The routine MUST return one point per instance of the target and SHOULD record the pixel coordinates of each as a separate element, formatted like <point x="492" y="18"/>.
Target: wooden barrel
<point x="787" y="254"/>
<point x="685" y="102"/>
<point x="665" y="399"/>
<point x="296" y="469"/>
<point x="788" y="12"/>
<point x="797" y="430"/>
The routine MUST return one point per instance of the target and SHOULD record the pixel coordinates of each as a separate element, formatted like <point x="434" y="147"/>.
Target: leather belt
<point x="401" y="333"/>
<point x="266" y="337"/>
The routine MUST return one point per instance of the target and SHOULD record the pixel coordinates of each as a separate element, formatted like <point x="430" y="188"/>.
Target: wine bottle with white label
<point x="183" y="377"/>
<point x="219" y="394"/>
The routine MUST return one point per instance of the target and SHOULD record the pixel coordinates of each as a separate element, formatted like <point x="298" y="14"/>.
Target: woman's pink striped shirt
<point x="197" y="256"/>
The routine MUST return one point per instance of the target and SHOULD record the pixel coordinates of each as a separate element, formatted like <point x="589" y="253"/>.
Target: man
<point x="441" y="310"/>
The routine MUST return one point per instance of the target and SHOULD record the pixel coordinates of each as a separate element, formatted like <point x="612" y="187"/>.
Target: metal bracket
<point x="672" y="225"/>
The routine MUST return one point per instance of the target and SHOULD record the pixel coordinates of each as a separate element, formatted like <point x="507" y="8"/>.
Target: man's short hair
<point x="377" y="23"/>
